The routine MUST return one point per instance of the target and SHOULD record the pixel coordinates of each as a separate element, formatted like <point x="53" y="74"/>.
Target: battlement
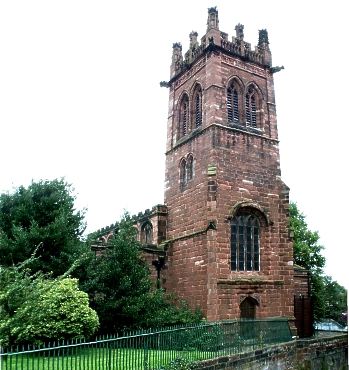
<point x="101" y="236"/>
<point x="214" y="39"/>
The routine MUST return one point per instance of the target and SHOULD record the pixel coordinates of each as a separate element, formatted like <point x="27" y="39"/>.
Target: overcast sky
<point x="80" y="99"/>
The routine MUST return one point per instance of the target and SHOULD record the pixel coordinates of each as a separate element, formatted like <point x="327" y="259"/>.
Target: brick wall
<point x="311" y="354"/>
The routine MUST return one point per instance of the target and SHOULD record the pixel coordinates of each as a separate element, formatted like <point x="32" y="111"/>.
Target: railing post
<point x="217" y="330"/>
<point x="109" y="355"/>
<point x="145" y="354"/>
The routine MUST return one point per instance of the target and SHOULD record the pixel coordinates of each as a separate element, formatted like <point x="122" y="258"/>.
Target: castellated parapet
<point x="215" y="39"/>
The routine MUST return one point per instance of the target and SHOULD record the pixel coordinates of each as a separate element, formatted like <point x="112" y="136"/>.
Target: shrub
<point x="34" y="309"/>
<point x="179" y="364"/>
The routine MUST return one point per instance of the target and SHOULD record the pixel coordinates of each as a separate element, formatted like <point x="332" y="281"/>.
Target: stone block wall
<point x="312" y="354"/>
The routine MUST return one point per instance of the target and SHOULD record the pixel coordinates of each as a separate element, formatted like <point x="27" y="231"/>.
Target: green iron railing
<point x="150" y="349"/>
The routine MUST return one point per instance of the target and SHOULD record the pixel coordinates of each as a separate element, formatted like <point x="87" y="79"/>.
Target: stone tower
<point x="227" y="245"/>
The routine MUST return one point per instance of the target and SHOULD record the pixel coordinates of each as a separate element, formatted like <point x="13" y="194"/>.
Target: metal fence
<point x="150" y="349"/>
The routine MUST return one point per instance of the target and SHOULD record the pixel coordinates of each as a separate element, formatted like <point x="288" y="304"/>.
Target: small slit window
<point x="186" y="171"/>
<point x="183" y="173"/>
<point x="189" y="168"/>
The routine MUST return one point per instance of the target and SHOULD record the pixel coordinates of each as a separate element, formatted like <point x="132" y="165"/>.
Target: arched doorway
<point x="248" y="308"/>
<point x="247" y="316"/>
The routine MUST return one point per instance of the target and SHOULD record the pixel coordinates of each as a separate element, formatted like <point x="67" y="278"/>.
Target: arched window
<point x="233" y="104"/>
<point x="184" y="116"/>
<point x="245" y="236"/>
<point x="251" y="107"/>
<point x="147" y="233"/>
<point x="197" y="111"/>
<point x="183" y="173"/>
<point x="186" y="170"/>
<point x="190" y="169"/>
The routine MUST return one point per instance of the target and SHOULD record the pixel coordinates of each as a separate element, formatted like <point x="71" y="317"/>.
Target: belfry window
<point x="184" y="117"/>
<point x="245" y="235"/>
<point x="198" y="107"/>
<point x="233" y="105"/>
<point x="251" y="107"/>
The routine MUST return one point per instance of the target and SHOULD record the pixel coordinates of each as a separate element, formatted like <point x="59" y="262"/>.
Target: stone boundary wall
<point x="325" y="353"/>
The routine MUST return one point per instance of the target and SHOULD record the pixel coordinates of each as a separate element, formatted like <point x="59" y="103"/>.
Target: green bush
<point x="34" y="309"/>
<point x="179" y="364"/>
<point x="56" y="309"/>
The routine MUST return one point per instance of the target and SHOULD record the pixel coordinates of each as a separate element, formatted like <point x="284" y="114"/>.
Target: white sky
<point x="80" y="99"/>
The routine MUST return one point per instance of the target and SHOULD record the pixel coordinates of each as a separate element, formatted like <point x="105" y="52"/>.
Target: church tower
<point x="228" y="249"/>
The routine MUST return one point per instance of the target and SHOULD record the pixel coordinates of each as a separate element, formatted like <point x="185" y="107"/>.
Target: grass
<point x="97" y="359"/>
<point x="144" y="351"/>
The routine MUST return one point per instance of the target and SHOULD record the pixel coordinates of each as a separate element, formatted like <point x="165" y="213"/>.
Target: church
<point x="221" y="239"/>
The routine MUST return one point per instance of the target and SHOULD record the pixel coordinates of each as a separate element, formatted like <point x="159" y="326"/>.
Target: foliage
<point x="335" y="299"/>
<point x="179" y="364"/>
<point x="42" y="214"/>
<point x="56" y="309"/>
<point x="121" y="290"/>
<point x="330" y="300"/>
<point x="328" y="297"/>
<point x="161" y="309"/>
<point x="34" y="309"/>
<point x="307" y="251"/>
<point x="207" y="338"/>
<point x="117" y="280"/>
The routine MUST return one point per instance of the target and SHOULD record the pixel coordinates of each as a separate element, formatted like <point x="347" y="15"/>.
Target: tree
<point x="121" y="291"/>
<point x="335" y="300"/>
<point x="41" y="215"/>
<point x="306" y="248"/>
<point x="117" y="280"/>
<point x="34" y="309"/>
<point x="328" y="297"/>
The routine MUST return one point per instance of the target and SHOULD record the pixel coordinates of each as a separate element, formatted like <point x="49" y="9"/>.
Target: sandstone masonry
<point x="221" y="239"/>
